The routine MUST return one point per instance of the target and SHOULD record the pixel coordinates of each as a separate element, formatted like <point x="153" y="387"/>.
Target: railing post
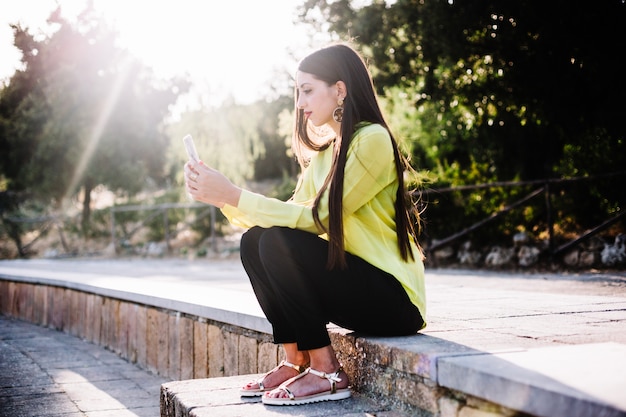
<point x="166" y="229"/>
<point x="213" y="238"/>
<point x="113" y="230"/>
<point x="549" y="218"/>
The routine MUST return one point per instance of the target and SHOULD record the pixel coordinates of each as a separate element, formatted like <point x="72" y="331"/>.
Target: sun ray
<point x="98" y="128"/>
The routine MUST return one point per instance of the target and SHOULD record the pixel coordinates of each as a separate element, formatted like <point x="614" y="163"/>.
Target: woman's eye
<point x="307" y="91"/>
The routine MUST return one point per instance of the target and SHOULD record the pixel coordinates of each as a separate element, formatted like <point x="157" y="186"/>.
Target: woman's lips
<point x="307" y="114"/>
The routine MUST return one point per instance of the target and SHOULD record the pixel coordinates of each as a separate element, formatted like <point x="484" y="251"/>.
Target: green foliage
<point x="241" y="141"/>
<point x="225" y="139"/>
<point x="100" y="225"/>
<point x="276" y="139"/>
<point x="82" y="113"/>
<point x="285" y="189"/>
<point x="490" y="91"/>
<point x="169" y="218"/>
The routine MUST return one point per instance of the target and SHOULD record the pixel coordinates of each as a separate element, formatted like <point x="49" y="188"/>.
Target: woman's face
<point x="317" y="99"/>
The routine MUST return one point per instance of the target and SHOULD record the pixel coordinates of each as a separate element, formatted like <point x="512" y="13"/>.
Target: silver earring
<point x="338" y="112"/>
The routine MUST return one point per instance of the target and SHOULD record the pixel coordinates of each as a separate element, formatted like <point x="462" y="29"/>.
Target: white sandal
<point x="257" y="392"/>
<point x="332" y="394"/>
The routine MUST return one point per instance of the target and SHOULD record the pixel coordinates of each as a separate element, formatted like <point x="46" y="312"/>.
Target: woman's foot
<point x="272" y="379"/>
<point x="311" y="386"/>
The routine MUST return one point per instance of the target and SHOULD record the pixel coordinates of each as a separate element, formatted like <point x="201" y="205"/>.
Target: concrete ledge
<point x="220" y="304"/>
<point x="156" y="322"/>
<point x="565" y="381"/>
<point x="425" y="373"/>
<point x="219" y="397"/>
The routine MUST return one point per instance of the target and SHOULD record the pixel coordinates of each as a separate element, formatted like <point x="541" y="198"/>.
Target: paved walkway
<point x="48" y="373"/>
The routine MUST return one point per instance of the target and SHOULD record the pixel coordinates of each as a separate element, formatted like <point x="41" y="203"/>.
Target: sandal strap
<point x="282" y="363"/>
<point x="289" y="393"/>
<point x="298" y="368"/>
<point x="332" y="378"/>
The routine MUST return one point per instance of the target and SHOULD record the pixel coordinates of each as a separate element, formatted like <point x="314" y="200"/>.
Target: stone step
<point x="564" y="381"/>
<point x="219" y="397"/>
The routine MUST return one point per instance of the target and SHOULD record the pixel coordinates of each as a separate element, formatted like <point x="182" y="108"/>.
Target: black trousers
<point x="299" y="296"/>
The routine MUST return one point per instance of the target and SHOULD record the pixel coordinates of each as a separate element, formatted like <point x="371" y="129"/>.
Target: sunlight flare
<point x="98" y="128"/>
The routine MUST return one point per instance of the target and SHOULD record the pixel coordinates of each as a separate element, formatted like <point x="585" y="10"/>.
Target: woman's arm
<point x="369" y="169"/>
<point x="210" y="186"/>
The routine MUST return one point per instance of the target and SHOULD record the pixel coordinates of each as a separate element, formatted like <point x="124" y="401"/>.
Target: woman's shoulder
<point x="366" y="128"/>
<point x="371" y="142"/>
<point x="372" y="133"/>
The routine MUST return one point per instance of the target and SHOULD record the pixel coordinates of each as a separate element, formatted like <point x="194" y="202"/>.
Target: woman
<point x="342" y="249"/>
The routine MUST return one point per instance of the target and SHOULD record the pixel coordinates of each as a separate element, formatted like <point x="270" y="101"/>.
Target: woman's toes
<point x="273" y="394"/>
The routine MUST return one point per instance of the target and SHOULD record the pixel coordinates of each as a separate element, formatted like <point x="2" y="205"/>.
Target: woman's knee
<point x="276" y="242"/>
<point x="258" y="241"/>
<point x="249" y="244"/>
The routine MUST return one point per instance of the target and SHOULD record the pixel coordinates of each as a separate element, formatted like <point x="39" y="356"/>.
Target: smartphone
<point x="191" y="148"/>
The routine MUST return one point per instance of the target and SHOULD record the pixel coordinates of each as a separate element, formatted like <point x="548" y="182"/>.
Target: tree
<point x="81" y="113"/>
<point x="508" y="85"/>
<point x="242" y="141"/>
<point x="498" y="90"/>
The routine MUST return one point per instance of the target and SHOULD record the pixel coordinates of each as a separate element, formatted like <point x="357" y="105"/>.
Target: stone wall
<point x="170" y="344"/>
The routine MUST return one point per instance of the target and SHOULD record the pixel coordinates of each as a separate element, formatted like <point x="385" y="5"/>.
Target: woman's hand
<point x="209" y="186"/>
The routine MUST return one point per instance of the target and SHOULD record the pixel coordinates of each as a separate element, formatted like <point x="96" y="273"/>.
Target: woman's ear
<point x="342" y="91"/>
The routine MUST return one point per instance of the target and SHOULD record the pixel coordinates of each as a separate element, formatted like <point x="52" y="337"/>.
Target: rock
<point x="499" y="256"/>
<point x="587" y="258"/>
<point x="444" y="253"/>
<point x="528" y="255"/>
<point x="571" y="258"/>
<point x="614" y="254"/>
<point x="467" y="256"/>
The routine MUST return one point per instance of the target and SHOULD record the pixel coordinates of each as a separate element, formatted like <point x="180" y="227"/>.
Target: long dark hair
<point x="334" y="63"/>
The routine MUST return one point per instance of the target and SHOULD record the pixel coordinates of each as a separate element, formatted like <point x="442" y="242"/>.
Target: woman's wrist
<point x="234" y="196"/>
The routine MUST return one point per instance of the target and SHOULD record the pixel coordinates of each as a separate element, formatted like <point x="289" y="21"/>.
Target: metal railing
<point x="545" y="188"/>
<point x="162" y="210"/>
<point x="540" y="188"/>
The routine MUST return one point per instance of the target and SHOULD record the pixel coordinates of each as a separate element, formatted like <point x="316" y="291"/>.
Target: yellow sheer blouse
<point x="370" y="185"/>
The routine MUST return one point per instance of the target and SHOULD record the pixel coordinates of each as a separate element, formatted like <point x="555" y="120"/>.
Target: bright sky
<point x="227" y="46"/>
